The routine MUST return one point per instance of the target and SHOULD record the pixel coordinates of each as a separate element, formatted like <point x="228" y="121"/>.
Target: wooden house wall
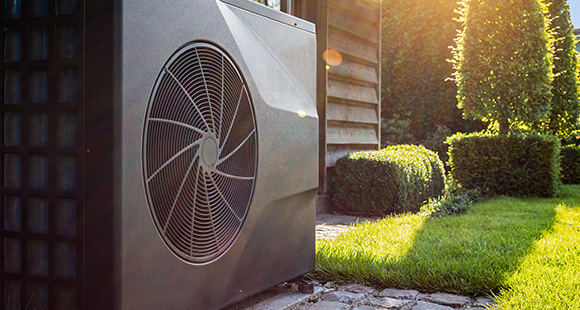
<point x="348" y="93"/>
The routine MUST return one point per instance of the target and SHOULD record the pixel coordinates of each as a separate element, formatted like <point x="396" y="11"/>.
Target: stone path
<point x="359" y="297"/>
<point x="329" y="225"/>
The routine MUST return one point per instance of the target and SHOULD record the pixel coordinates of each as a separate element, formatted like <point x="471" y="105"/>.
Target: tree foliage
<point x="563" y="118"/>
<point x="416" y="36"/>
<point x="502" y="62"/>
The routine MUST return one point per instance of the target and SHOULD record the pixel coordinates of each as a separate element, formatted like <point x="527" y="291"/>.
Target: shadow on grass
<point x="471" y="254"/>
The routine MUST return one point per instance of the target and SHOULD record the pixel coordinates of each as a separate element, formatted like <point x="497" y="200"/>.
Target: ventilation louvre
<point x="200" y="152"/>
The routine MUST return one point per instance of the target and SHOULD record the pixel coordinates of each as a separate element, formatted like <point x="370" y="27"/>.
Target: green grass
<point x="549" y="275"/>
<point x="509" y="246"/>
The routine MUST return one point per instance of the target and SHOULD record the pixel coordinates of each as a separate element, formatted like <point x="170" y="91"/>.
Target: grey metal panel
<point x="276" y="243"/>
<point x="273" y="14"/>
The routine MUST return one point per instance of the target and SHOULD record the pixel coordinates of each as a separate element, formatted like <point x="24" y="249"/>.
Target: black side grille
<point x="42" y="112"/>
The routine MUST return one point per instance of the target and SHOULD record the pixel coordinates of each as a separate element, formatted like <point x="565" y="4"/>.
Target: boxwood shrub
<point x="396" y="179"/>
<point x="571" y="164"/>
<point x="516" y="165"/>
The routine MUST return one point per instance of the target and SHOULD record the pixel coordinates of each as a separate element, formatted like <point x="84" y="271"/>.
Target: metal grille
<point x="41" y="153"/>
<point x="200" y="152"/>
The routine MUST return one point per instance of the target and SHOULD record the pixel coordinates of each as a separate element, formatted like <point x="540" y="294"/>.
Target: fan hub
<point x="210" y="151"/>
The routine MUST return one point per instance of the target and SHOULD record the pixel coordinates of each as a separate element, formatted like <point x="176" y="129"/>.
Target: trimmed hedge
<point x="571" y="164"/>
<point x="415" y="49"/>
<point x="516" y="165"/>
<point x="396" y="179"/>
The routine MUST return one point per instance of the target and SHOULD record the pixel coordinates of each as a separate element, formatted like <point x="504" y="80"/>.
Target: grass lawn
<point x="527" y="250"/>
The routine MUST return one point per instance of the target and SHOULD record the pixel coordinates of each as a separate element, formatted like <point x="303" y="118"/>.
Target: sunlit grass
<point x="393" y="243"/>
<point x="549" y="276"/>
<point x="480" y="252"/>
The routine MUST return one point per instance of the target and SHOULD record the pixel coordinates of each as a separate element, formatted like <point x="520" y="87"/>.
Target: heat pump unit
<point x="155" y="154"/>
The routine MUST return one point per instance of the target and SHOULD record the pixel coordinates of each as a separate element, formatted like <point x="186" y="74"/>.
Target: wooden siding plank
<point x="352" y="46"/>
<point x="366" y="8"/>
<point x="349" y="91"/>
<point x="345" y="21"/>
<point x="349" y="112"/>
<point x="356" y="71"/>
<point x="337" y="151"/>
<point x="345" y="133"/>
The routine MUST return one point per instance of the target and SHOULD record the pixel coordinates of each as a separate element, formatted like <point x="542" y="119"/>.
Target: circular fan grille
<point x="200" y="152"/>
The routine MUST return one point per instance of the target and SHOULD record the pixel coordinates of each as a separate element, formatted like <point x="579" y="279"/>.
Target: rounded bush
<point x="396" y="179"/>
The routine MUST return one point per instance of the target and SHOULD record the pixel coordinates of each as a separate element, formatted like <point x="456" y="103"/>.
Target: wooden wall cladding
<point x="351" y="107"/>
<point x="348" y="84"/>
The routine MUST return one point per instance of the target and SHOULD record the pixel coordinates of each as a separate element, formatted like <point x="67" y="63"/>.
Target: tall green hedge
<point x="415" y="71"/>
<point x="398" y="178"/>
<point x="514" y="165"/>
<point x="571" y="164"/>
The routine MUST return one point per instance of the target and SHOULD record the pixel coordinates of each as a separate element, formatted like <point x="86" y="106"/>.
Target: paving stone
<point x="329" y="305"/>
<point x="399" y="294"/>
<point x="484" y="301"/>
<point x="387" y="303"/>
<point x="365" y="307"/>
<point x="357" y="288"/>
<point x="423" y="305"/>
<point x="421" y="296"/>
<point x="451" y="300"/>
<point x="409" y="306"/>
<point x="344" y="297"/>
